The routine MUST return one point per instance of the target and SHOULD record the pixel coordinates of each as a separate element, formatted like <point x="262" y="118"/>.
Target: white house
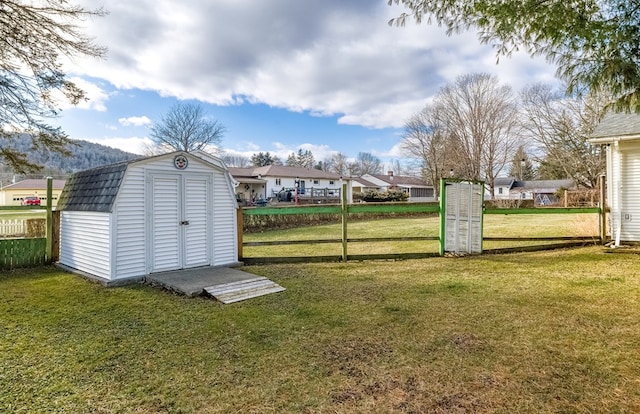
<point x="173" y="211"/>
<point x="542" y="192"/>
<point x="275" y="181"/>
<point x="619" y="134"/>
<point x="418" y="189"/>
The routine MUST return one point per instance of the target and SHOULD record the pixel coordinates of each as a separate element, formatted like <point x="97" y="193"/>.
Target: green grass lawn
<point x="540" y="225"/>
<point x="543" y="332"/>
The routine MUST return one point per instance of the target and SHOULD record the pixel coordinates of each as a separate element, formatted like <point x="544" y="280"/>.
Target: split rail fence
<point x="346" y="211"/>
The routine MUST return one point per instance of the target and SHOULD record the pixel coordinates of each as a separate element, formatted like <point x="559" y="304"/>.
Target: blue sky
<point x="328" y="76"/>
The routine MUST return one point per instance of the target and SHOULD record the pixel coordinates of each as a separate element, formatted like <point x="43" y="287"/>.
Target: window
<point x="315" y="182"/>
<point x="499" y="190"/>
<point x="331" y="182"/>
<point x="278" y="181"/>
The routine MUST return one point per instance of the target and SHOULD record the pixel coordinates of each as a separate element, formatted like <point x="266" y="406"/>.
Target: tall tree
<point x="236" y="160"/>
<point x="303" y="159"/>
<point x="186" y="127"/>
<point x="366" y="163"/>
<point x="424" y="139"/>
<point x="34" y="35"/>
<point x="521" y="166"/>
<point x="562" y="125"/>
<point x="337" y="163"/>
<point x="261" y="159"/>
<point x="594" y="43"/>
<point x="480" y="120"/>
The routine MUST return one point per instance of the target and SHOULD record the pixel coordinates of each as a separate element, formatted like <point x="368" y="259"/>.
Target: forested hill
<point x="85" y="155"/>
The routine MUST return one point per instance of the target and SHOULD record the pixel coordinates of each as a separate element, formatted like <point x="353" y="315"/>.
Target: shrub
<point x="385" y="196"/>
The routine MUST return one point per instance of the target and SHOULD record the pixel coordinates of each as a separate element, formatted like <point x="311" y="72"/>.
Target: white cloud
<point x="329" y="58"/>
<point x="96" y="97"/>
<point x="135" y="121"/>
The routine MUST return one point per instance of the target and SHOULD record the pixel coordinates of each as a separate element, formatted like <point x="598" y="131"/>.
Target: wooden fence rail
<point x="345" y="211"/>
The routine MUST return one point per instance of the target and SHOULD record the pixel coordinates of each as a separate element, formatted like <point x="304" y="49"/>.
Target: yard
<point x="554" y="331"/>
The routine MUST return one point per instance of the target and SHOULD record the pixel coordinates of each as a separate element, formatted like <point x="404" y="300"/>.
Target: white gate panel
<point x="463" y="217"/>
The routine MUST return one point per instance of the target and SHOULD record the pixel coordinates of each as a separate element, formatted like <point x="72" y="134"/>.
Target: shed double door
<point x="180" y="222"/>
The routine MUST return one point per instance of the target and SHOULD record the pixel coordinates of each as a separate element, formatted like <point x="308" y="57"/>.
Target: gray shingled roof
<point x="617" y="124"/>
<point x="93" y="190"/>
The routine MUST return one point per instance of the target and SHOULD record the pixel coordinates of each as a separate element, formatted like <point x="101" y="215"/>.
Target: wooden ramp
<point x="243" y="289"/>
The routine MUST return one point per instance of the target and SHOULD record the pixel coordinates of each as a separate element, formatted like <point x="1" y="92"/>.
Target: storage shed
<point x="619" y="133"/>
<point x="173" y="211"/>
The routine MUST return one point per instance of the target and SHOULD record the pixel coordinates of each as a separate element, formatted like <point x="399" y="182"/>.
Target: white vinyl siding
<point x="224" y="223"/>
<point x="630" y="194"/>
<point x="85" y="242"/>
<point x="129" y="218"/>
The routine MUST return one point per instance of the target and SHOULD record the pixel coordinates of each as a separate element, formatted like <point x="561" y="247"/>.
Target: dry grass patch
<point x="528" y="333"/>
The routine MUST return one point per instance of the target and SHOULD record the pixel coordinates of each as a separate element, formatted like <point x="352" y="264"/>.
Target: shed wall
<point x="129" y="223"/>
<point x="225" y="249"/>
<point x="85" y="242"/>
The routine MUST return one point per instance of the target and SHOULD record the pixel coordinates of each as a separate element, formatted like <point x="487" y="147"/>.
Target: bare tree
<point x="424" y="140"/>
<point x="470" y="130"/>
<point x="561" y="125"/>
<point x="187" y="128"/>
<point x="236" y="160"/>
<point x="33" y="37"/>
<point x="480" y="118"/>
<point x="366" y="163"/>
<point x="337" y="163"/>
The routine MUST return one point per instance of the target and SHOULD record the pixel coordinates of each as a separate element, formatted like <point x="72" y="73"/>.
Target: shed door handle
<point x="184" y="222"/>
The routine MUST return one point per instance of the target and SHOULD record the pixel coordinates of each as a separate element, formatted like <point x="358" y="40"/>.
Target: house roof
<point x="282" y="171"/>
<point x="364" y="182"/>
<point x="543" y="185"/>
<point x="617" y="125"/>
<point x="402" y="180"/>
<point x="34" y="184"/>
<point x="504" y="182"/>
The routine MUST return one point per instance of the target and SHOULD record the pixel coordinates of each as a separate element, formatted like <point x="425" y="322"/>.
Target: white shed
<point x="168" y="212"/>
<point x="619" y="133"/>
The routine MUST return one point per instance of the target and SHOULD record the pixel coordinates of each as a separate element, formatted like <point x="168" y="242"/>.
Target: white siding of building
<point x="225" y="249"/>
<point x="85" y="242"/>
<point x="129" y="224"/>
<point x="630" y="191"/>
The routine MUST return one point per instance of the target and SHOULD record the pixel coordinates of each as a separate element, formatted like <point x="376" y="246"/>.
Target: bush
<point x="384" y="196"/>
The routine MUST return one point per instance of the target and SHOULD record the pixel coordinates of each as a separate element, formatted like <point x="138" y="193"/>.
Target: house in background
<point x="542" y="192"/>
<point x="418" y="189"/>
<point x="273" y="182"/>
<point x="13" y="194"/>
<point x="619" y="134"/>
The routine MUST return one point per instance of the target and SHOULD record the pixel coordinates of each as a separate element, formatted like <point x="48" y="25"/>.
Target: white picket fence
<point x="12" y="228"/>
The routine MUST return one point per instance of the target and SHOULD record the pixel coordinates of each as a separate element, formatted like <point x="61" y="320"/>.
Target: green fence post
<point x="443" y="213"/>
<point x="49" y="245"/>
<point x="345" y="217"/>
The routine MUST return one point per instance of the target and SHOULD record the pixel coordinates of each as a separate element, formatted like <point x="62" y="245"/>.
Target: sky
<point x="281" y="75"/>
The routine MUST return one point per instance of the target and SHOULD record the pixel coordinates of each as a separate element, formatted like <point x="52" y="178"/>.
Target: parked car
<point x="30" y="201"/>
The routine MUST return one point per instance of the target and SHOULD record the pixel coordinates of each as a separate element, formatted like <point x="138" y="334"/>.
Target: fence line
<point x="383" y="208"/>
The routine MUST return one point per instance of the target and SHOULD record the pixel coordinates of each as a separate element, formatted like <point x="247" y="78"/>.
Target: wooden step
<point x="244" y="289"/>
